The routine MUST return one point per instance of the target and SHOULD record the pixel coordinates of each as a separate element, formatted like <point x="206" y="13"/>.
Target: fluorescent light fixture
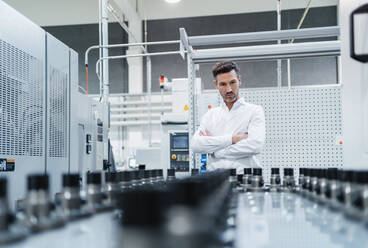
<point x="172" y="1"/>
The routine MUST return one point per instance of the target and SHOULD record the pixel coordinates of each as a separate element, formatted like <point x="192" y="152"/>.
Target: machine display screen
<point x="180" y="142"/>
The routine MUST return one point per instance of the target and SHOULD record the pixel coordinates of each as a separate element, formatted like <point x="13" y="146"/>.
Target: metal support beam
<point x="260" y="36"/>
<point x="191" y="103"/>
<point x="184" y="44"/>
<point x="266" y="52"/>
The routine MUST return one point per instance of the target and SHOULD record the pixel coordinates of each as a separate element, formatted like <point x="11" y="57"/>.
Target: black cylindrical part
<point x="195" y="172"/>
<point x="71" y="180"/>
<point x="170" y="172"/>
<point x="111" y="177"/>
<point x="124" y="176"/>
<point x="332" y="173"/>
<point x="360" y="177"/>
<point x="247" y="171"/>
<point x="94" y="177"/>
<point x="288" y="172"/>
<point x="147" y="174"/>
<point x="38" y="182"/>
<point x="257" y="171"/>
<point x="275" y="171"/>
<point x="3" y="187"/>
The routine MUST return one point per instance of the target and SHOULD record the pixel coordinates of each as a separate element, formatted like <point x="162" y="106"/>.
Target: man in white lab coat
<point x="233" y="133"/>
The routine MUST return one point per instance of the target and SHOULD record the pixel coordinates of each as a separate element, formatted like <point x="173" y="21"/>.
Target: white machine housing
<point x="43" y="116"/>
<point x="176" y="122"/>
<point x="355" y="87"/>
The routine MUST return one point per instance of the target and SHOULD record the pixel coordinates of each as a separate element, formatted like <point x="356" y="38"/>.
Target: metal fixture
<point x="10" y="231"/>
<point x="233" y="178"/>
<point x="257" y="180"/>
<point x="247" y="178"/>
<point x="95" y="195"/>
<point x="70" y="198"/>
<point x="289" y="180"/>
<point x="275" y="180"/>
<point x="39" y="214"/>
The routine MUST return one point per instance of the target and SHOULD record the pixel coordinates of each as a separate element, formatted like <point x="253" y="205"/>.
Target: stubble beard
<point x="230" y="100"/>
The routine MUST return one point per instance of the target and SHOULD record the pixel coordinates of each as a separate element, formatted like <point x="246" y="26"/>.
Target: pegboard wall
<point x="303" y="125"/>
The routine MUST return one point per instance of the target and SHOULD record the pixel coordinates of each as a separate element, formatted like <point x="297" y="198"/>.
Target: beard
<point x="230" y="97"/>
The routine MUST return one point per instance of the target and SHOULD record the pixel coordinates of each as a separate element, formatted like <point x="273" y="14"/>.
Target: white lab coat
<point x="222" y="124"/>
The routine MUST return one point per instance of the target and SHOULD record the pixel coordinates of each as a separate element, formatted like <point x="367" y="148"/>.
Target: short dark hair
<point x="224" y="67"/>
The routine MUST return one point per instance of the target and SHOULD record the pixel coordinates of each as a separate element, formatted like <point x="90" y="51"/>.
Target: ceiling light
<point x="172" y="1"/>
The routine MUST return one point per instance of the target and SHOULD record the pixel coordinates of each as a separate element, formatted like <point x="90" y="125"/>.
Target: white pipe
<point x="149" y="87"/>
<point x="279" y="76"/>
<point x="100" y="40"/>
<point x="288" y="74"/>
<point x="133" y="56"/>
<point x="128" y="45"/>
<point x="105" y="51"/>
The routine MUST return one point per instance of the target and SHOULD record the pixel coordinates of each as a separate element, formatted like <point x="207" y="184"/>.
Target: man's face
<point x="228" y="85"/>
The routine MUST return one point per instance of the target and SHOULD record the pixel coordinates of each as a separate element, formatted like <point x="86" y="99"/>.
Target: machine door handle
<point x="359" y="57"/>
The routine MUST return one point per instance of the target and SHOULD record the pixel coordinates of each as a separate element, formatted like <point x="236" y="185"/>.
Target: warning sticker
<point x="7" y="164"/>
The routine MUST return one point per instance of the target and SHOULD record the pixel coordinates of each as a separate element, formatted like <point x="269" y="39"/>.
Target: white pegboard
<point x="303" y="125"/>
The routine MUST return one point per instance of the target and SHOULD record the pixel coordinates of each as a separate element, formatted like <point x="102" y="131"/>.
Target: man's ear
<point x="240" y="80"/>
<point x="215" y="83"/>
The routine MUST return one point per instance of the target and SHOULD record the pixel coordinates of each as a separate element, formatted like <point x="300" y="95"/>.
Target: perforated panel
<point x="57" y="112"/>
<point x="21" y="102"/>
<point x="303" y="125"/>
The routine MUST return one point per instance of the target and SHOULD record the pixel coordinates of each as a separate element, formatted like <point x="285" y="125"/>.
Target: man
<point x="233" y="133"/>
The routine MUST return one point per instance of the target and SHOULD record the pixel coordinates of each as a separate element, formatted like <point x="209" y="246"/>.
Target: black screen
<point x="180" y="142"/>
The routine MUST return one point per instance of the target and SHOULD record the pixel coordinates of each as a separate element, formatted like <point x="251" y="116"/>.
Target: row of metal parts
<point x="38" y="212"/>
<point x="345" y="190"/>
<point x="252" y="180"/>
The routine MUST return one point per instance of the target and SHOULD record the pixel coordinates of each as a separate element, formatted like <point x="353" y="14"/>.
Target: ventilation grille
<point x="21" y="102"/>
<point x="57" y="112"/>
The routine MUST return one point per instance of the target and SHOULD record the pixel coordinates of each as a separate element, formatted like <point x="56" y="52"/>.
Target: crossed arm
<point x="232" y="146"/>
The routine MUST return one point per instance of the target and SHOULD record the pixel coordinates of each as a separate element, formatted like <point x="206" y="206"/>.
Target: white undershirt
<point x="222" y="124"/>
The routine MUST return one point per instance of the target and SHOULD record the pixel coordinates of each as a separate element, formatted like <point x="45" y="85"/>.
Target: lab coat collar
<point x="237" y="104"/>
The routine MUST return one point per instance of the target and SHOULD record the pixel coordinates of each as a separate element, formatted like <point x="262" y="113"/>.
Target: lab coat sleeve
<point x="208" y="144"/>
<point x="253" y="144"/>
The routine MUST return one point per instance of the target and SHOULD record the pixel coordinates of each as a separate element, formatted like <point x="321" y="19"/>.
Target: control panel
<point x="179" y="151"/>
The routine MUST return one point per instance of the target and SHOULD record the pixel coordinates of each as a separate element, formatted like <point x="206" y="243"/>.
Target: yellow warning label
<point x="186" y="108"/>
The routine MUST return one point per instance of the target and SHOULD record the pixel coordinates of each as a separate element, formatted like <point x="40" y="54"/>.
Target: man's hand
<point x="205" y="133"/>
<point x="239" y="137"/>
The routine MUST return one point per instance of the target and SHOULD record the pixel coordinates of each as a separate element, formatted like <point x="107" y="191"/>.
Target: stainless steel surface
<point x="288" y="220"/>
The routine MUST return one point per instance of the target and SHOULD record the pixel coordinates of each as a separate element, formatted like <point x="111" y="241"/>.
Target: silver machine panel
<point x="303" y="124"/>
<point x="40" y="103"/>
<point x="57" y="110"/>
<point x="22" y="98"/>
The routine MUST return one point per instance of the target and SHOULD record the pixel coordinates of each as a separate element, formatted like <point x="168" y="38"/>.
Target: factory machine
<point x="174" y="128"/>
<point x="47" y="124"/>
<point x="311" y="206"/>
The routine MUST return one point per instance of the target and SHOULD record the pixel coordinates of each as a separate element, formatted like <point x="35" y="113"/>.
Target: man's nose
<point x="228" y="89"/>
